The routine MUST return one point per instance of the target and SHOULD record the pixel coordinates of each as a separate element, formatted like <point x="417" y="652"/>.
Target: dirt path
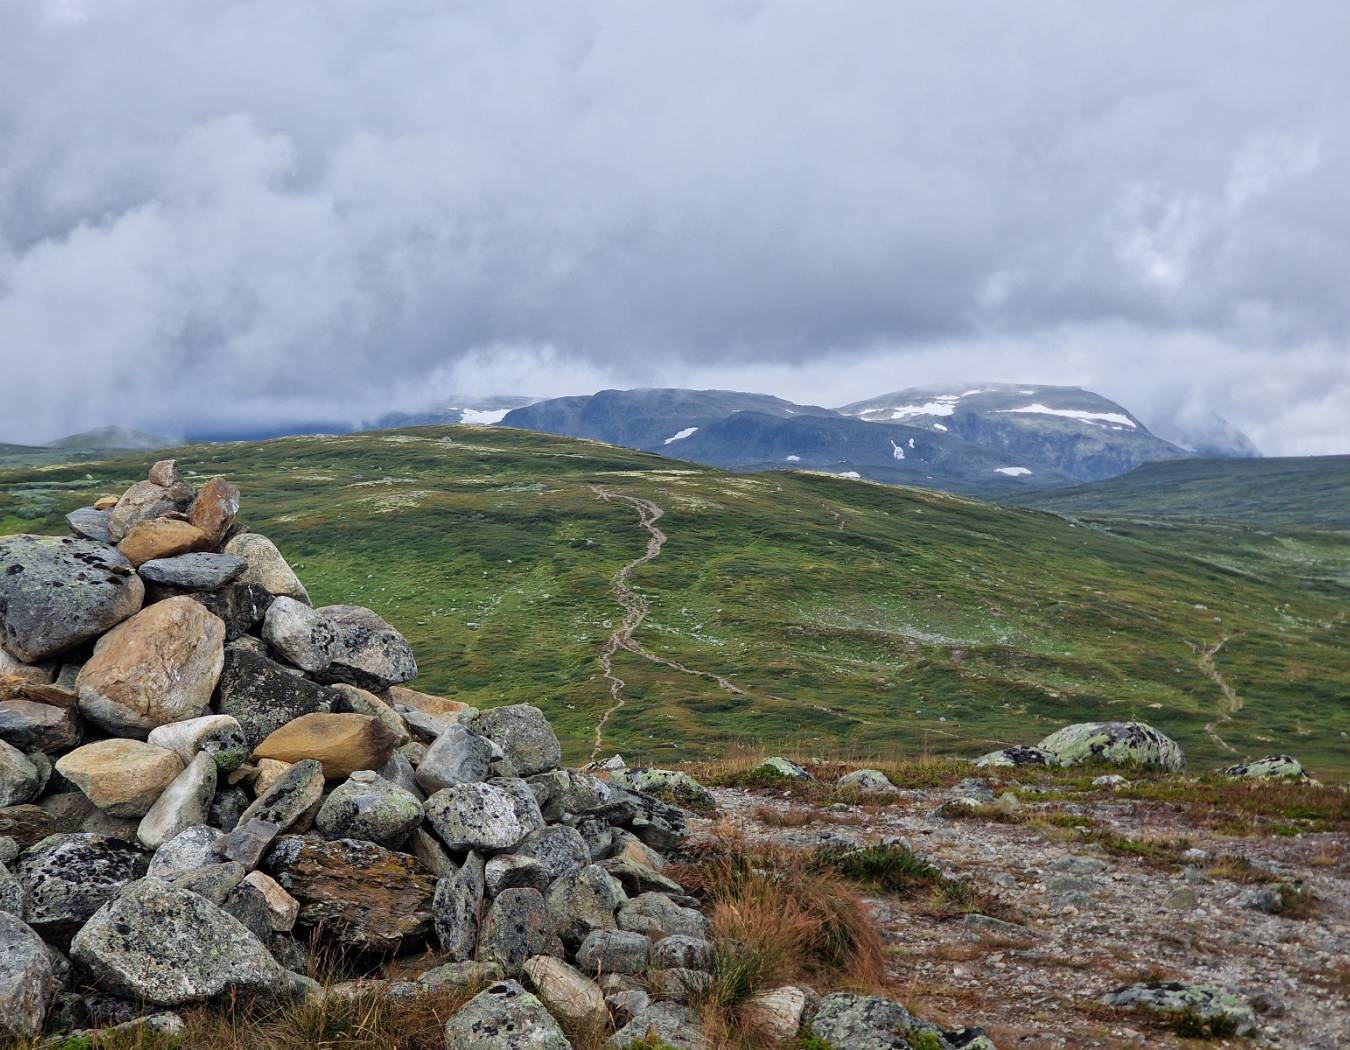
<point x="1232" y="702"/>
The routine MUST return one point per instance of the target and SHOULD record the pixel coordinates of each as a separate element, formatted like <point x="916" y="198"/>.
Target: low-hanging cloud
<point x="239" y="214"/>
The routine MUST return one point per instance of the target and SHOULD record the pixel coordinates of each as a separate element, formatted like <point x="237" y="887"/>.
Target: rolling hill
<point x="843" y="615"/>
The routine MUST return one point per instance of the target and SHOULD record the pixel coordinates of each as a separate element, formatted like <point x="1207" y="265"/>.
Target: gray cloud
<point x="237" y="213"/>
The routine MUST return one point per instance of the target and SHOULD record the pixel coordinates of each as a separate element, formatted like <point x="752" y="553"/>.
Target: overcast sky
<point x="220" y="213"/>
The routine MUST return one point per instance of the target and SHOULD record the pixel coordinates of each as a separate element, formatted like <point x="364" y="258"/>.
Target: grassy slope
<point x="858" y="618"/>
<point x="1306" y="491"/>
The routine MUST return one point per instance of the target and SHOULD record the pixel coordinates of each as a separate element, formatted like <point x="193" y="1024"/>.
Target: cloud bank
<point x="239" y="214"/>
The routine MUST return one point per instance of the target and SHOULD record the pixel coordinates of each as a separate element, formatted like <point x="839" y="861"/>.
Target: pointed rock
<point x="183" y="804"/>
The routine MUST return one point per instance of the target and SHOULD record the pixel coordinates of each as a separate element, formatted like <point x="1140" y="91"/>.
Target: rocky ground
<point x="1079" y="921"/>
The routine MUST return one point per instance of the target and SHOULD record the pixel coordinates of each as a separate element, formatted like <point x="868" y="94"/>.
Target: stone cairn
<point x="201" y="775"/>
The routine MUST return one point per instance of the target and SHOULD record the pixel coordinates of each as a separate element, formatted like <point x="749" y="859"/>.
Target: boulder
<point x="656" y="823"/>
<point x="614" y="951"/>
<point x="11" y="892"/>
<point x="166" y="946"/>
<point x="357" y="701"/>
<point x="68" y="877"/>
<point x="777" y="1012"/>
<point x="191" y="849"/>
<point x="861" y="1022"/>
<point x="568" y="995"/>
<point x="19" y="778"/>
<point x="779" y="768"/>
<point x="31" y="726"/>
<point x="218" y="736"/>
<point x="437" y="706"/>
<point x="366" y="897"/>
<point x="121" y="777"/>
<point x="679" y="951"/>
<point x="164" y="472"/>
<point x="289" y="803"/>
<point x="266" y="567"/>
<point x="672" y="785"/>
<point x="583" y="901"/>
<point x="249" y="841"/>
<point x="1121" y="743"/>
<point x="1171" y="998"/>
<point x="282" y="908"/>
<point x="28" y="982"/>
<point x="339" y="643"/>
<point x="523" y="733"/>
<point x="490" y="818"/>
<point x="160" y="538"/>
<point x="511" y="871"/>
<point x="637" y="878"/>
<point x="505" y="1016"/>
<point x="1272" y="767"/>
<point x="183" y="804"/>
<point x="458" y="908"/>
<point x="370" y="808"/>
<point x="867" y="781"/>
<point x="341" y="743"/>
<point x="517" y="927"/>
<point x="144" y="501"/>
<point x="192" y="572"/>
<point x="215" y="882"/>
<point x="159" y="666"/>
<point x="26" y="824"/>
<point x="468" y="976"/>
<point x="456" y="756"/>
<point x="655" y="913"/>
<point x="668" y="1025"/>
<point x="262" y="695"/>
<point x="56" y="593"/>
<point x="240" y="606"/>
<point x="558" y="848"/>
<point x="90" y="523"/>
<point x="214" y="509"/>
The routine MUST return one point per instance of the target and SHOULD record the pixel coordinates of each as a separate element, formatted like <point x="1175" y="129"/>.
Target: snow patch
<point x="1094" y="418"/>
<point x="792" y="459"/>
<point x="898" y="451"/>
<point x="850" y="474"/>
<point x="1012" y="472"/>
<point x="939" y="426"/>
<point x="681" y="435"/>
<point x="911" y="442"/>
<point x="482" y="417"/>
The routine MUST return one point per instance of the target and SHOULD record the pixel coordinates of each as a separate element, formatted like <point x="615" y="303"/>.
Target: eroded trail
<point x="1232" y="702"/>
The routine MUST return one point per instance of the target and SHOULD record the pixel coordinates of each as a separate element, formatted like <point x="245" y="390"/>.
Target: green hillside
<point x="1306" y="490"/>
<point x="852" y="617"/>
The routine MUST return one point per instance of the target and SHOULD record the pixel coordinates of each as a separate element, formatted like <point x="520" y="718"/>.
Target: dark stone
<point x="263" y="695"/>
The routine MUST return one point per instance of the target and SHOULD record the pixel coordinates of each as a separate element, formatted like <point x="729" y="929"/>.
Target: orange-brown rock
<point x="342" y="743"/>
<point x="121" y="777"/>
<point x="105" y="503"/>
<point x="160" y="538"/>
<point x="214" y="509"/>
<point x="158" y="667"/>
<point x="436" y="706"/>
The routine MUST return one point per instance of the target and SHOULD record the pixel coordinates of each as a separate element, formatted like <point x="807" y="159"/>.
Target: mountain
<point x="475" y="411"/>
<point x="1209" y="436"/>
<point x="112" y="438"/>
<point x="840" y="617"/>
<point x="1067" y="430"/>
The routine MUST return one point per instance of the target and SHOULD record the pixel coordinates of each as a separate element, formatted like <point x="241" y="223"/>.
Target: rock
<point x="1272" y="767"/>
<point x="58" y="593"/>
<point x="290" y="802"/>
<point x="30" y="726"/>
<point x="183" y="804"/>
<point x="214" y="509"/>
<point x="559" y="849"/>
<point x="490" y="818"/>
<point x="511" y="871"/>
<point x="398" y="770"/>
<point x="682" y="952"/>
<point x="121" y="777"/>
<point x="249" y="841"/>
<point x="144" y="501"/>
<point x="66" y="878"/>
<point x="861" y="1022"/>
<point x="671" y="785"/>
<point x="777" y="1012"/>
<point x="458" y="908"/>
<point x="193" y="572"/>
<point x="504" y="1016"/>
<point x="11" y="893"/>
<point x="166" y="946"/>
<point x="240" y="606"/>
<point x="339" y="643"/>
<point x="160" y="666"/>
<point x="263" y="696"/>
<point x="779" y="768"/>
<point x="614" y="951"/>
<point x="357" y="701"/>
<point x="105" y="503"/>
<point x="1208" y="1002"/>
<point x="282" y="908"/>
<point x="367" y="897"/>
<point x="9" y="849"/>
<point x="215" y="882"/>
<point x="247" y="904"/>
<point x="367" y="807"/>
<point x="625" y="1004"/>
<point x="1017" y="757"/>
<point x="164" y="472"/>
<point x="456" y="756"/>
<point x="19" y="778"/>
<point x="637" y="878"/>
<point x="159" y="539"/>
<point x="524" y="734"/>
<point x="567" y="994"/>
<point x="655" y="913"/>
<point x="1123" y="743"/>
<point x="1110" y="780"/>
<point x="28" y="824"/>
<point x="227" y="807"/>
<point x="467" y="976"/>
<point x="266" y="772"/>
<point x="1181" y="898"/>
<point x="91" y="523"/>
<point x="437" y="706"/>
<point x="431" y="854"/>
<point x="28" y="982"/>
<point x="867" y="781"/>
<point x="517" y="927"/>
<point x="266" y="567"/>
<point x="657" y="824"/>
<point x="582" y="901"/>
<point x="341" y="743"/>
<point x="189" y="850"/>
<point x="218" y="736"/>
<point x="667" y="1025"/>
<point x="149" y="1030"/>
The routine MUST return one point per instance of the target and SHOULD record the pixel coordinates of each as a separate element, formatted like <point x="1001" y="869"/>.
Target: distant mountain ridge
<point x="112" y="438"/>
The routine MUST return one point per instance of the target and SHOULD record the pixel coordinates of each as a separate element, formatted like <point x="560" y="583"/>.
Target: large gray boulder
<point x="56" y="593"/>
<point x="340" y="643"/>
<point x="27" y="981"/>
<point x="655" y="913"/>
<point x="193" y="572"/>
<point x="1272" y="767"/>
<point x="505" y="1016"/>
<point x="263" y="695"/>
<point x="365" y="806"/>
<point x="583" y="901"/>
<point x="291" y="800"/>
<point x="19" y="778"/>
<point x="457" y="908"/>
<point x="489" y="818"/>
<point x="614" y="951"/>
<point x="1120" y="743"/>
<point x="558" y="848"/>
<point x="167" y="946"/>
<point x="191" y="849"/>
<point x="862" y="1022"/>
<point x="66" y="878"/>
<point x="523" y="733"/>
<point x="668" y="1024"/>
<point x="517" y="928"/>
<point x="266" y="567"/>
<point x="1206" y="1001"/>
<point x="456" y="756"/>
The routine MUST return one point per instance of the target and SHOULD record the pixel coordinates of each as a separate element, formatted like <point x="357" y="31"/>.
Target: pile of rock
<point x="201" y="774"/>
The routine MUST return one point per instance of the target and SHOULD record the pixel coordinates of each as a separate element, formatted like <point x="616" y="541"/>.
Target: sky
<point x="233" y="214"/>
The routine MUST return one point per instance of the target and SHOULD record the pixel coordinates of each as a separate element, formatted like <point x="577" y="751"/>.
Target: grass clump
<point x="1191" y="1024"/>
<point x="892" y="867"/>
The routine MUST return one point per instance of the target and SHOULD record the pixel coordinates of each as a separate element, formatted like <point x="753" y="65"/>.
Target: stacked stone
<point x="201" y="774"/>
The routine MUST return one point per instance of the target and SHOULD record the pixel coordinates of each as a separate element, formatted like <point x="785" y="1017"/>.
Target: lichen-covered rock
<point x="365" y="896"/>
<point x="1207" y="1002"/>
<point x="219" y="736"/>
<point x="559" y="848"/>
<point x="341" y="743"/>
<point x="567" y="994"/>
<point x="523" y="733"/>
<point x="191" y="849"/>
<point x="340" y="643"/>
<point x="27" y="981"/>
<point x="778" y="1012"/>
<point x="582" y="901"/>
<point x="368" y="807"/>
<point x="489" y="818"/>
<point x="456" y="756"/>
<point x="159" y="666"/>
<point x="19" y="778"/>
<point x="679" y="951"/>
<point x="1017" y="758"/>
<point x="655" y="913"/>
<point x="200" y="571"/>
<point x="614" y="951"/>
<point x="291" y="800"/>
<point x="66" y="878"/>
<point x="658" y="824"/>
<point x="90" y="523"/>
<point x="56" y="593"/>
<point x="779" y="768"/>
<point x="671" y="785"/>
<point x="11" y="892"/>
<point x="262" y="695"/>
<point x="861" y="1022"/>
<point x="1272" y="767"/>
<point x="240" y="606"/>
<point x="1122" y="743"/>
<point x="266" y="567"/>
<point x="517" y="927"/>
<point x="637" y="878"/>
<point x="666" y="1025"/>
<point x="458" y="908"/>
<point x="183" y="804"/>
<point x="121" y="777"/>
<point x="869" y="781"/>
<point x="504" y="1016"/>
<point x="511" y="871"/>
<point x="166" y="946"/>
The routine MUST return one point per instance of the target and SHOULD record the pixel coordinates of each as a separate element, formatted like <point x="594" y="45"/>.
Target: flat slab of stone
<point x="198" y="572"/>
<point x="121" y="777"/>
